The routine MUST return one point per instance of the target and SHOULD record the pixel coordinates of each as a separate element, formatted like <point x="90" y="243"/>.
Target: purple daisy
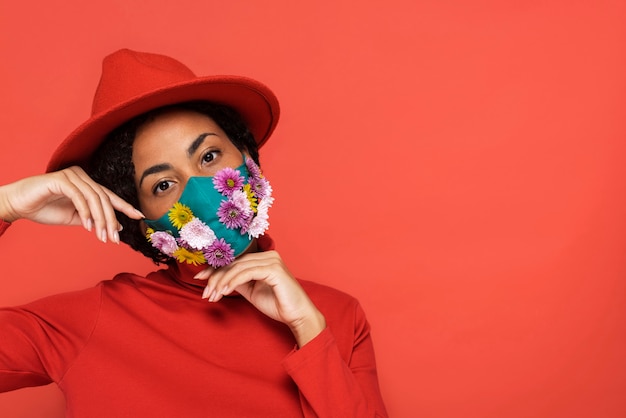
<point x="253" y="168"/>
<point x="232" y="215"/>
<point x="227" y="180"/>
<point x="196" y="234"/>
<point x="261" y="187"/>
<point x="219" y="254"/>
<point x="240" y="199"/>
<point x="164" y="242"/>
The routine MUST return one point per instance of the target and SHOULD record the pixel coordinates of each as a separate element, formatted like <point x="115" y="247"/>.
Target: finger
<point x="123" y="206"/>
<point x="218" y="279"/>
<point x="215" y="281"/>
<point x="92" y="199"/>
<point x="117" y="202"/>
<point x="204" y="274"/>
<point x="112" y="224"/>
<point x="105" y="205"/>
<point x="100" y="207"/>
<point x="239" y="275"/>
<point x="65" y="187"/>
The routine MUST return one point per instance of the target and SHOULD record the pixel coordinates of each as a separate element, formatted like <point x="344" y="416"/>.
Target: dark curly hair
<point x="112" y="166"/>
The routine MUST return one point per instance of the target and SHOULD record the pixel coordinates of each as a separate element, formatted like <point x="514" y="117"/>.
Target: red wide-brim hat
<point x="134" y="82"/>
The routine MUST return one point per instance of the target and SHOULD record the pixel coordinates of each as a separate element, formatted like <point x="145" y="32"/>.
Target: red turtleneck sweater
<point x="152" y="347"/>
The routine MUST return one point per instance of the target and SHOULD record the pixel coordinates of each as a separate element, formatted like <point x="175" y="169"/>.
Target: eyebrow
<point x="153" y="170"/>
<point x="165" y="166"/>
<point x="197" y="142"/>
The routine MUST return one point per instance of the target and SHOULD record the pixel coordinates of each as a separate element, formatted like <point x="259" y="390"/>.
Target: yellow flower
<point x="180" y="214"/>
<point x="251" y="198"/>
<point x="189" y="257"/>
<point x="149" y="233"/>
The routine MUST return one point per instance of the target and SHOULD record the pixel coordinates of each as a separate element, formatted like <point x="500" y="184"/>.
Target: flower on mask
<point x="196" y="234"/>
<point x="219" y="254"/>
<point x="233" y="215"/>
<point x="260" y="223"/>
<point x="164" y="242"/>
<point x="228" y="180"/>
<point x="251" y="197"/>
<point x="261" y="187"/>
<point x="240" y="199"/>
<point x="183" y="255"/>
<point x="253" y="168"/>
<point x="180" y="214"/>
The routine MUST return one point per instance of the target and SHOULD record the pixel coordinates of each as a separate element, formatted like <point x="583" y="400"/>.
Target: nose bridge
<point x="187" y="173"/>
<point x="198" y="189"/>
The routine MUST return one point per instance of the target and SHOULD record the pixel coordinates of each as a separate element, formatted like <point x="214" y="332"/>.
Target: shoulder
<point x="332" y="302"/>
<point x="344" y="315"/>
<point x="89" y="298"/>
<point x="69" y="302"/>
<point x="317" y="290"/>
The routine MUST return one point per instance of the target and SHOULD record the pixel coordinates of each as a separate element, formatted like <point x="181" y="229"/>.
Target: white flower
<point x="260" y="223"/>
<point x="197" y="234"/>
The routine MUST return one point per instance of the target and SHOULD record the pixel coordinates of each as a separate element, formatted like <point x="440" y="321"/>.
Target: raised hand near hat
<point x="65" y="197"/>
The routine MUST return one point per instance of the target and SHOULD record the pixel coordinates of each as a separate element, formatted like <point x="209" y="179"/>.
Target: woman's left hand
<point x="264" y="280"/>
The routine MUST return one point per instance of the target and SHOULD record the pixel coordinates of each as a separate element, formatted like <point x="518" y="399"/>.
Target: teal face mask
<point x="216" y="218"/>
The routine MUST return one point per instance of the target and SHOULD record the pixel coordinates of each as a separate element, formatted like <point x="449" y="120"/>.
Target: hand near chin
<point x="264" y="280"/>
<point x="65" y="197"/>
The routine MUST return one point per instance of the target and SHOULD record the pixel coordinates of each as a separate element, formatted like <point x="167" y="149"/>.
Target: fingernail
<point x="116" y="237"/>
<point x="103" y="235"/>
<point x="213" y="296"/>
<point x="88" y="225"/>
<point x="120" y="228"/>
<point x="202" y="275"/>
<point x="140" y="214"/>
<point x="224" y="290"/>
<point x="205" y="293"/>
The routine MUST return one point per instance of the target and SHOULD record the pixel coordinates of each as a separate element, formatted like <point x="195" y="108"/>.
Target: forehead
<point x="172" y="131"/>
<point x="174" y="125"/>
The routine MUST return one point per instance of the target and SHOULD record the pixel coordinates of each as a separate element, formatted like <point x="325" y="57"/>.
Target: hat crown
<point x="127" y="74"/>
<point x="132" y="83"/>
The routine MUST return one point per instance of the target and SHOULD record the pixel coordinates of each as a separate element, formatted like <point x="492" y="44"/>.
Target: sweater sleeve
<point x="40" y="340"/>
<point x="331" y="385"/>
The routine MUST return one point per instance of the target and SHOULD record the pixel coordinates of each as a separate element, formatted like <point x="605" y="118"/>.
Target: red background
<point x="456" y="165"/>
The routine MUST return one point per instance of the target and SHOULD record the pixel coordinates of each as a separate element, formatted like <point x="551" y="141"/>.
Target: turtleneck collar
<point x="183" y="272"/>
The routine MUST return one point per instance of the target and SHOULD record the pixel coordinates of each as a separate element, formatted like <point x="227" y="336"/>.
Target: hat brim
<point x="256" y="104"/>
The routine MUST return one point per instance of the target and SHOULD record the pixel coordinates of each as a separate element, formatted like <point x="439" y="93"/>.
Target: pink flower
<point x="253" y="168"/>
<point x="196" y="234"/>
<point x="232" y="215"/>
<point x="164" y="242"/>
<point x="219" y="254"/>
<point x="240" y="199"/>
<point x="261" y="187"/>
<point x="227" y="180"/>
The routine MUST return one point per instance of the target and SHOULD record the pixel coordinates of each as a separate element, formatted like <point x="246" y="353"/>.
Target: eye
<point x="210" y="156"/>
<point x="161" y="186"/>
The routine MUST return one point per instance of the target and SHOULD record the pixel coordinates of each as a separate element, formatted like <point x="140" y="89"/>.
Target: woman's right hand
<point x="65" y="197"/>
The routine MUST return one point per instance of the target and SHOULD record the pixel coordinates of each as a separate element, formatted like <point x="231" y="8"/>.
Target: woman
<point x="168" y="163"/>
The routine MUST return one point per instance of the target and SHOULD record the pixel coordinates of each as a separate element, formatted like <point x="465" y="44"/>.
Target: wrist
<point x="309" y="327"/>
<point x="6" y="214"/>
